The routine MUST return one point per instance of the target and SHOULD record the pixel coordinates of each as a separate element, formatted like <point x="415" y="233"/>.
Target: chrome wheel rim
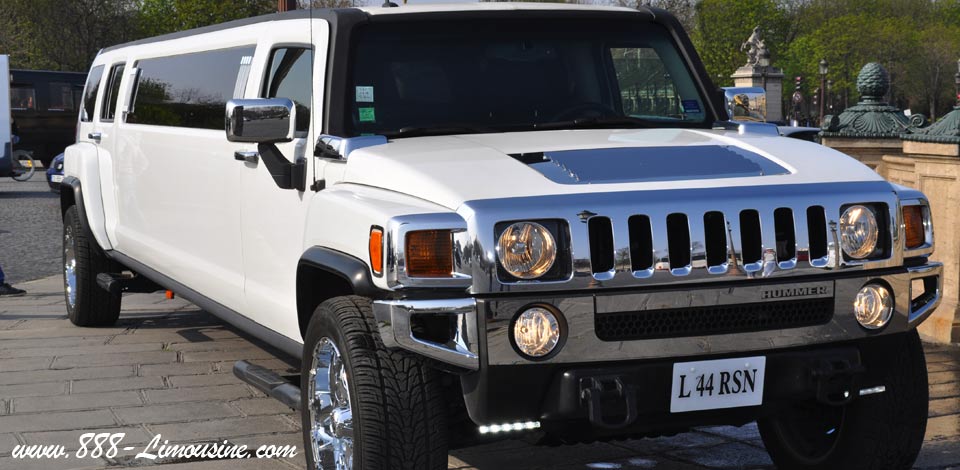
<point x="69" y="267"/>
<point x="331" y="417"/>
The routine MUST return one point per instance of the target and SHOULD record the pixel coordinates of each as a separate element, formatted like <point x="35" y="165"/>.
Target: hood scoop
<point x="649" y="164"/>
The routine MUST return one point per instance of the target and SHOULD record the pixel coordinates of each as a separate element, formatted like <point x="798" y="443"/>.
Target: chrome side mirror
<point x="262" y="120"/>
<point x="746" y="103"/>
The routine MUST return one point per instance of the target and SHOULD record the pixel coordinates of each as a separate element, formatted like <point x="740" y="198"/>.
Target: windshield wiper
<point x="596" y="123"/>
<point x="414" y="131"/>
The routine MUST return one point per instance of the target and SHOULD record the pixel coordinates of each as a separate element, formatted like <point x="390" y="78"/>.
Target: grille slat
<point x="712" y="319"/>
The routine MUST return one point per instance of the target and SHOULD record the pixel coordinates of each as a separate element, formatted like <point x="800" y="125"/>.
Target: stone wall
<point x="935" y="169"/>
<point x="870" y="152"/>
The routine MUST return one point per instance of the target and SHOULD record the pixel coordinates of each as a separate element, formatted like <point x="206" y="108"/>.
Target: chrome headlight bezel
<point x="559" y="270"/>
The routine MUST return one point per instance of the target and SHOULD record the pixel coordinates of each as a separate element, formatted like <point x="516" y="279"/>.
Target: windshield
<point x="488" y="76"/>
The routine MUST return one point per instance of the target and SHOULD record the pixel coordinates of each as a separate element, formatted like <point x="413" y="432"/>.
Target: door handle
<point x="95" y="136"/>
<point x="247" y="156"/>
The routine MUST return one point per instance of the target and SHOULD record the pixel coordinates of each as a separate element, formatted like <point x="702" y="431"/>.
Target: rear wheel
<point x="883" y="430"/>
<point x="364" y="406"/>
<point x="87" y="303"/>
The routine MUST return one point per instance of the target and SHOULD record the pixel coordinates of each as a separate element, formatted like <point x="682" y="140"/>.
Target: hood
<point x="450" y="170"/>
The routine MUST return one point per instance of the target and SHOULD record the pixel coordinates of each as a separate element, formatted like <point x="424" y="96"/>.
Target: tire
<point x="87" y="303"/>
<point x="26" y="164"/>
<point x="883" y="430"/>
<point x="398" y="415"/>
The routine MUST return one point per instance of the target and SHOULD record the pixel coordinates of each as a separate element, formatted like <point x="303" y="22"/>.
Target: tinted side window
<point x="23" y="98"/>
<point x="108" y="109"/>
<point x="90" y="93"/>
<point x="61" y="97"/>
<point x="189" y="90"/>
<point x="290" y="76"/>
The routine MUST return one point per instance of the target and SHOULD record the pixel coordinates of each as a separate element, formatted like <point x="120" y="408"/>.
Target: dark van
<point x="44" y="105"/>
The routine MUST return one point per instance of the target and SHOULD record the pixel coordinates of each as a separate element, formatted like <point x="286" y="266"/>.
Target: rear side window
<point x="290" y="76"/>
<point x="108" y="109"/>
<point x="90" y="93"/>
<point x="189" y="90"/>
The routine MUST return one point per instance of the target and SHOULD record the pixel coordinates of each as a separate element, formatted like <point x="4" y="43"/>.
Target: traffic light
<point x="798" y="83"/>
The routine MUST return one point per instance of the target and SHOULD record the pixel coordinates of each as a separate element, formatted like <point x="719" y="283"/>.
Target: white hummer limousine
<point x="475" y="221"/>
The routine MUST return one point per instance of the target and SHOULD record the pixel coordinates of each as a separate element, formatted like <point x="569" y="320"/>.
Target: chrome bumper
<point x="471" y="316"/>
<point x="394" y="321"/>
<point x="582" y="344"/>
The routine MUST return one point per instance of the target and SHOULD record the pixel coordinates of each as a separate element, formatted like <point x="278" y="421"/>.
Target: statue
<point x="755" y="47"/>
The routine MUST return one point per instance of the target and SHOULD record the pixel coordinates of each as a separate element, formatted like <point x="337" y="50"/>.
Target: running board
<point x="268" y="382"/>
<point x="118" y="283"/>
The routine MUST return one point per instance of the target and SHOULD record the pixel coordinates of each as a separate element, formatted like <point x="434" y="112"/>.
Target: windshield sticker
<point x="364" y="94"/>
<point x="367" y="115"/>
<point x="691" y="106"/>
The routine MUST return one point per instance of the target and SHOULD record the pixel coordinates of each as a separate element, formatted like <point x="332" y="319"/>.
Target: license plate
<point x="722" y="383"/>
<point x="56" y="178"/>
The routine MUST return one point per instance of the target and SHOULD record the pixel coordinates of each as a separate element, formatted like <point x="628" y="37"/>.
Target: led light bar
<point x="873" y="390"/>
<point x="509" y="427"/>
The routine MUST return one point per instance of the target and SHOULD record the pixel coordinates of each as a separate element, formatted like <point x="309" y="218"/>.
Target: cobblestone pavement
<point x="165" y="369"/>
<point x="29" y="229"/>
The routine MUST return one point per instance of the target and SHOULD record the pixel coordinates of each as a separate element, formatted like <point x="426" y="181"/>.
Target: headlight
<point x="536" y="332"/>
<point x="858" y="231"/>
<point x="873" y="306"/>
<point x="527" y="250"/>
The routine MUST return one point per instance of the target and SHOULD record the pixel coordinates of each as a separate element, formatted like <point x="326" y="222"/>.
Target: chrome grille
<point x="751" y="241"/>
<point x="634" y="233"/>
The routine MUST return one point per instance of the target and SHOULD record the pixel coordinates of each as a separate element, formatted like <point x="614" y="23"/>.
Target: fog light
<point x="536" y="332"/>
<point x="873" y="306"/>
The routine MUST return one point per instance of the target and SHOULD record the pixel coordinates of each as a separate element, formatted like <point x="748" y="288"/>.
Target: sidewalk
<point x="165" y="369"/>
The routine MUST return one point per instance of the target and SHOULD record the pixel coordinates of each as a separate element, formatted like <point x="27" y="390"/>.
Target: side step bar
<point x="117" y="283"/>
<point x="269" y="382"/>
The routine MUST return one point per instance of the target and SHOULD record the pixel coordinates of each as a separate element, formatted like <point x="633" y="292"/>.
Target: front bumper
<point x="477" y="345"/>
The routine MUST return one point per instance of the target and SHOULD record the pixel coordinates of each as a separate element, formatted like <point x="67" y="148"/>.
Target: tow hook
<point x="836" y="381"/>
<point x="596" y="391"/>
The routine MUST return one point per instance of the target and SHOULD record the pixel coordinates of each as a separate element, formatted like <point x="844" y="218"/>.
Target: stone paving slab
<point x="165" y="369"/>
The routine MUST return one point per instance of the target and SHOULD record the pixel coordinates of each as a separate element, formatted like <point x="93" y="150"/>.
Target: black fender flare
<point x="350" y="268"/>
<point x="76" y="193"/>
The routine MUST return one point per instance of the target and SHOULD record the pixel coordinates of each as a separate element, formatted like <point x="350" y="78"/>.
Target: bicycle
<point x="24" y="166"/>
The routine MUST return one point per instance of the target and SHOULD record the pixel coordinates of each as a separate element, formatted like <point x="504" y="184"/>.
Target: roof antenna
<point x="389" y="4"/>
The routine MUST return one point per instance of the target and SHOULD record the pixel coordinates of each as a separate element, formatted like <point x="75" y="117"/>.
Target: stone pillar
<point x="934" y="168"/>
<point x="872" y="128"/>
<point x="770" y="79"/>
<point x="930" y="162"/>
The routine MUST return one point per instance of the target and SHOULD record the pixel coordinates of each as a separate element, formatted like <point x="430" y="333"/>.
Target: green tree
<point x="57" y="35"/>
<point x="721" y="26"/>
<point x="166" y="16"/>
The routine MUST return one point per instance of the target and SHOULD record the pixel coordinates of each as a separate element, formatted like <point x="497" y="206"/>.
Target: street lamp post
<point x="823" y="85"/>
<point x="830" y="96"/>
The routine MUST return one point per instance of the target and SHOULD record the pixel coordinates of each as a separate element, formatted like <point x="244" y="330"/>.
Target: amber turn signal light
<point x="913" y="225"/>
<point x="429" y="253"/>
<point x="376" y="250"/>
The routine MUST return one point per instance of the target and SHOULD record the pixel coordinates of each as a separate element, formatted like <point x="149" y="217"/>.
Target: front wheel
<point x="364" y="406"/>
<point x="83" y="259"/>
<point x="883" y="430"/>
